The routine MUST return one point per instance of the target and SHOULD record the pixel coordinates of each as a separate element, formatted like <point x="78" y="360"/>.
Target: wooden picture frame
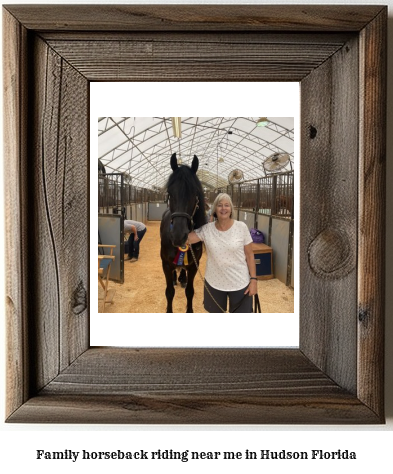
<point x="338" y="54"/>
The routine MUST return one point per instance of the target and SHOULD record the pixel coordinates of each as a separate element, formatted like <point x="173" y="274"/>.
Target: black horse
<point x="186" y="212"/>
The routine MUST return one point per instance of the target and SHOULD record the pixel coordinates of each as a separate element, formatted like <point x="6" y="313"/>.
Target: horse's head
<point x="185" y="199"/>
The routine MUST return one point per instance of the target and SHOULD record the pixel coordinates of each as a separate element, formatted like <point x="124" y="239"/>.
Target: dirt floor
<point x="143" y="290"/>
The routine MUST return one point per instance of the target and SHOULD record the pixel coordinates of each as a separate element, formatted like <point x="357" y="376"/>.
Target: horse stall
<point x="111" y="195"/>
<point x="275" y="220"/>
<point x="111" y="232"/>
<point x="156" y="210"/>
<point x="247" y="196"/>
<point x="267" y="205"/>
<point x="116" y="195"/>
<point x="138" y="212"/>
<point x="118" y="200"/>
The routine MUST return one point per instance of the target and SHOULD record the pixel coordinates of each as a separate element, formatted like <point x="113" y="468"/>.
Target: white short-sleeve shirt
<point x="226" y="266"/>
<point x="128" y="223"/>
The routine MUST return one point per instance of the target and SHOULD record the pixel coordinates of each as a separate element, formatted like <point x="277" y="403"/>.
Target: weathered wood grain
<point x="67" y="183"/>
<point x="335" y="377"/>
<point x="239" y="409"/>
<point x="199" y="371"/>
<point x="372" y="207"/>
<point x="193" y="17"/>
<point x="328" y="242"/>
<point x="193" y="386"/>
<point x="16" y="233"/>
<point x="201" y="37"/>
<point x="187" y="60"/>
<point x="42" y="266"/>
<point x="59" y="176"/>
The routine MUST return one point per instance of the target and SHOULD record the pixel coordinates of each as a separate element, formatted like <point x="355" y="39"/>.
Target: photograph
<point x="179" y="197"/>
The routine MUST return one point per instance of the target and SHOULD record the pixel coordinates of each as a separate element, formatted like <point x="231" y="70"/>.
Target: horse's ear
<point x="174" y="162"/>
<point x="195" y="164"/>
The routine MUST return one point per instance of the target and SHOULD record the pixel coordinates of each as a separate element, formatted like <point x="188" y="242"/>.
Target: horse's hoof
<point x="184" y="285"/>
<point x="190" y="311"/>
<point x="174" y="283"/>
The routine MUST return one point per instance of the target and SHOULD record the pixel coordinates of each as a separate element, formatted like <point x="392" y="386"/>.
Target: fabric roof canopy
<point x="142" y="147"/>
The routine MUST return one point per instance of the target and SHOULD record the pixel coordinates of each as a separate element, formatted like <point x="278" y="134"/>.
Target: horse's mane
<point x="188" y="185"/>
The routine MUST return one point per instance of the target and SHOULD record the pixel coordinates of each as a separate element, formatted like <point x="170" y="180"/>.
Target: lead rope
<point x="204" y="283"/>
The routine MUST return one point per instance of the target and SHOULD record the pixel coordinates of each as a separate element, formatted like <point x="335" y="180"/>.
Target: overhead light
<point x="262" y="122"/>
<point x="176" y="125"/>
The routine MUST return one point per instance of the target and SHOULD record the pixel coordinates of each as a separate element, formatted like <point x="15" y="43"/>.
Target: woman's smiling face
<point x="223" y="209"/>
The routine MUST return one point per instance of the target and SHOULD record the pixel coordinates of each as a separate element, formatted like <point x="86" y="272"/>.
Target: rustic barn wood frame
<point x="338" y="54"/>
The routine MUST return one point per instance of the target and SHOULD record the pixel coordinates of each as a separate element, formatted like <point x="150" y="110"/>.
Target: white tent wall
<point x="140" y="147"/>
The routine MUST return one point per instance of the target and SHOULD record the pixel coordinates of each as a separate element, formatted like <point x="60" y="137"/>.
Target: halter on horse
<point x="185" y="213"/>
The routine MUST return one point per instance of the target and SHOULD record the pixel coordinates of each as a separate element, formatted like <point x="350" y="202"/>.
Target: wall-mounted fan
<point x="275" y="162"/>
<point x="126" y="178"/>
<point x="235" y="176"/>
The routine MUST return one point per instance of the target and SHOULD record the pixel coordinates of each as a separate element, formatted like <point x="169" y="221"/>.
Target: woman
<point x="230" y="267"/>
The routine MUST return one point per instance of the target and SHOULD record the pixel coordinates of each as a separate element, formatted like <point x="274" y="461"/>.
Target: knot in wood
<point x="80" y="299"/>
<point x="330" y="254"/>
<point x="313" y="132"/>
<point x="363" y="315"/>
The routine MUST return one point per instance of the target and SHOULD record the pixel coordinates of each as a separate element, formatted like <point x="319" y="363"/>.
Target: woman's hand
<point x="252" y="288"/>
<point x="193" y="238"/>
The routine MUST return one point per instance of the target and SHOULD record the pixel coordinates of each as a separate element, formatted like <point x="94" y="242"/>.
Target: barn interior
<point x="249" y="158"/>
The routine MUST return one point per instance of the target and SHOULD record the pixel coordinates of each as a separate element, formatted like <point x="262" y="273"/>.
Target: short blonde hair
<point x="219" y="198"/>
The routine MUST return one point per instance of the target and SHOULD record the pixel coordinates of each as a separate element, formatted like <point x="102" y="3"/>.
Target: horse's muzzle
<point x="179" y="236"/>
<point x="180" y="227"/>
<point x="179" y="241"/>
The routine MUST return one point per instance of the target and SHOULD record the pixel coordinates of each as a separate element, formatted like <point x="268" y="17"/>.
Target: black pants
<point x="133" y="245"/>
<point x="221" y="297"/>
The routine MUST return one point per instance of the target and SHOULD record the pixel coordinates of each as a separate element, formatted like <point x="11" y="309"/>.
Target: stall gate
<point x="267" y="204"/>
<point x="111" y="232"/>
<point x="117" y="196"/>
<point x="156" y="210"/>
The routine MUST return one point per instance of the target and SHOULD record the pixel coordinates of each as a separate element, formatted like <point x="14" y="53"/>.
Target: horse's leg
<point x="175" y="278"/>
<point x="170" y="291"/>
<point x="183" y="278"/>
<point x="191" y="272"/>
